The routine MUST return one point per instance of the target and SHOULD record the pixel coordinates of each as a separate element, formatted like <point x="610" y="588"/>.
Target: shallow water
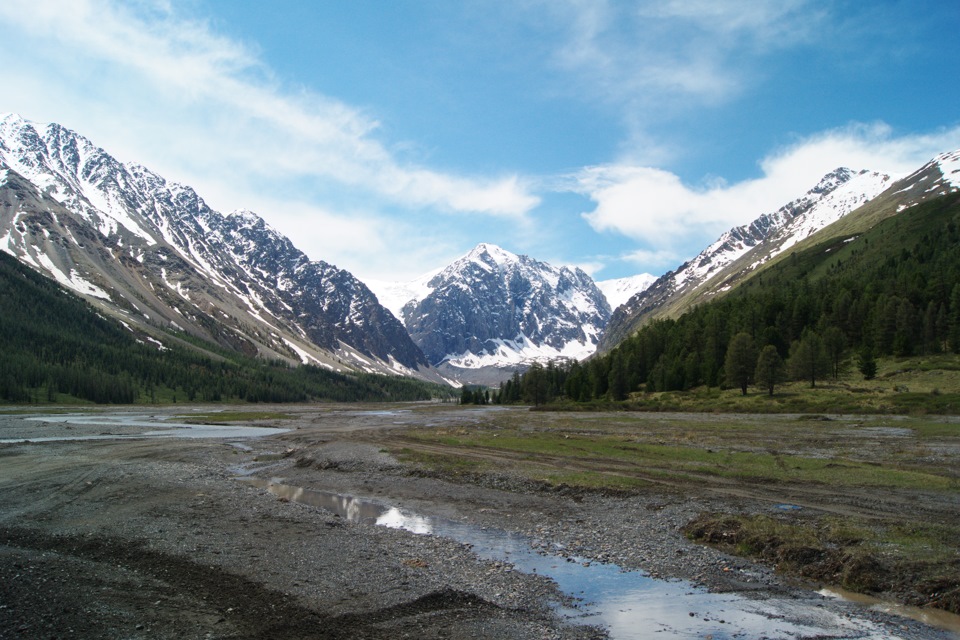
<point x="132" y="425"/>
<point x="934" y="617"/>
<point x="629" y="604"/>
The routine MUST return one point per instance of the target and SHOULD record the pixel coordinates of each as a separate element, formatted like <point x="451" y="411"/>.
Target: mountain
<point x="152" y="253"/>
<point x="620" y="290"/>
<point x="492" y="312"/>
<point x="741" y="250"/>
<point x="887" y="290"/>
<point x="57" y="347"/>
<point x="881" y="281"/>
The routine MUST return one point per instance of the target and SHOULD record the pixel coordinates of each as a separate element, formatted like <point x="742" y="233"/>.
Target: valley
<point x="563" y="321"/>
<point x="165" y="537"/>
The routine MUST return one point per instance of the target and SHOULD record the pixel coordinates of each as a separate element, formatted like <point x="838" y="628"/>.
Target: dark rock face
<point x="154" y="252"/>
<point x="503" y="308"/>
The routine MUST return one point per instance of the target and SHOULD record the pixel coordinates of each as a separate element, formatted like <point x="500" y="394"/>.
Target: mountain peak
<point x="247" y="217"/>
<point x="492" y="312"/>
<point x="14" y="121"/>
<point x="833" y="179"/>
<point x="620" y="290"/>
<point x="494" y="253"/>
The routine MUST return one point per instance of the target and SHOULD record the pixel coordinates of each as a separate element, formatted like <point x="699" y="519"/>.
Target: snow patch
<point x="72" y="281"/>
<point x="160" y="345"/>
<point x="950" y="167"/>
<point x="179" y="288"/>
<point x="305" y="357"/>
<point x="396" y="295"/>
<point x="522" y="350"/>
<point x="620" y="290"/>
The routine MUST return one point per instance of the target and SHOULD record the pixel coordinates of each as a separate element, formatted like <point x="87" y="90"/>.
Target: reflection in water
<point x="933" y="617"/>
<point x="630" y="604"/>
<point x="350" y="507"/>
<point x="396" y="519"/>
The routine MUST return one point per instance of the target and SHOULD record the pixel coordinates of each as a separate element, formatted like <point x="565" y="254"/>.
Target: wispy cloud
<point x="657" y="209"/>
<point x="201" y="92"/>
<point x="656" y="55"/>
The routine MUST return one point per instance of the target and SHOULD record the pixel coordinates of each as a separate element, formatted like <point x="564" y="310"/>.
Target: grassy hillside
<point x="57" y="348"/>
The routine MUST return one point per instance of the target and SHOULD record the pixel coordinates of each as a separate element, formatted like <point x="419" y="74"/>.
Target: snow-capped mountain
<point x="936" y="178"/>
<point x="620" y="290"/>
<point x="396" y="295"/>
<point x="492" y="312"/>
<point x="837" y="194"/>
<point x="154" y="254"/>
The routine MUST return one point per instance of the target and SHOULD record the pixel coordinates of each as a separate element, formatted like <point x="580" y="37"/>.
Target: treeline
<point x="56" y="347"/>
<point x="892" y="291"/>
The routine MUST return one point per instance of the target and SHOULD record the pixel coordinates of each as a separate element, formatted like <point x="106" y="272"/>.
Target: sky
<point x="391" y="137"/>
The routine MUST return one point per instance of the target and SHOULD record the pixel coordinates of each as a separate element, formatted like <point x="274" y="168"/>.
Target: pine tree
<point x="835" y="344"/>
<point x="617" y="379"/>
<point x="770" y="369"/>
<point x="808" y="358"/>
<point x="741" y="361"/>
<point x="866" y="364"/>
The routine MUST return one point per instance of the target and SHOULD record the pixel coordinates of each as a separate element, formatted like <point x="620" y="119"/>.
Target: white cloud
<point x="197" y="94"/>
<point x="646" y="258"/>
<point x="762" y="24"/>
<point x="656" y="56"/>
<point x="656" y="208"/>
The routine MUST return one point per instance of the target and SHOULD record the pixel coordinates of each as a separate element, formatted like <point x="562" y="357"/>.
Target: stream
<point x="133" y="425"/>
<point x="629" y="604"/>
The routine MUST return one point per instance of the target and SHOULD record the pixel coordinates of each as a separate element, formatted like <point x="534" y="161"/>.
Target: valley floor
<point x="161" y="537"/>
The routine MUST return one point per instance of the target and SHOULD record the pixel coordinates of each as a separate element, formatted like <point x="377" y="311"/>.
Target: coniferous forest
<point x="57" y="348"/>
<point x="893" y="291"/>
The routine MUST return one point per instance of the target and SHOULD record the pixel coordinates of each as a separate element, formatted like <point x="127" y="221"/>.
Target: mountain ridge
<point x="153" y="252"/>
<point x="771" y="234"/>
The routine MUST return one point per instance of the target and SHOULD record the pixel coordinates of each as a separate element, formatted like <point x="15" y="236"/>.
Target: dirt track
<point x="149" y="538"/>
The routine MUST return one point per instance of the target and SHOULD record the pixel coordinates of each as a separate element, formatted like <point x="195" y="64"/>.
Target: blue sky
<point x="389" y="138"/>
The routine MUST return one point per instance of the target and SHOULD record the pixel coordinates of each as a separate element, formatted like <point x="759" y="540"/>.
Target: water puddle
<point x="933" y="617"/>
<point x="129" y="425"/>
<point x="384" y="412"/>
<point x="629" y="604"/>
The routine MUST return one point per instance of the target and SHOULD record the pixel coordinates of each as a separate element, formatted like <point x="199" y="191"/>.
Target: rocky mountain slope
<point x="771" y="234"/>
<point x="492" y="312"/>
<point x="742" y="251"/>
<point x="154" y="254"/>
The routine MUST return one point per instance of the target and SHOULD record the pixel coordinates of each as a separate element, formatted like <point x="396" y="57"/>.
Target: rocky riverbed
<point x="134" y="537"/>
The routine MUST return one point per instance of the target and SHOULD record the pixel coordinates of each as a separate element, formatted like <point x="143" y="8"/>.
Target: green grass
<point x="852" y="473"/>
<point x="690" y="460"/>
<point x="936" y="429"/>
<point x="916" y="561"/>
<point x="442" y="464"/>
